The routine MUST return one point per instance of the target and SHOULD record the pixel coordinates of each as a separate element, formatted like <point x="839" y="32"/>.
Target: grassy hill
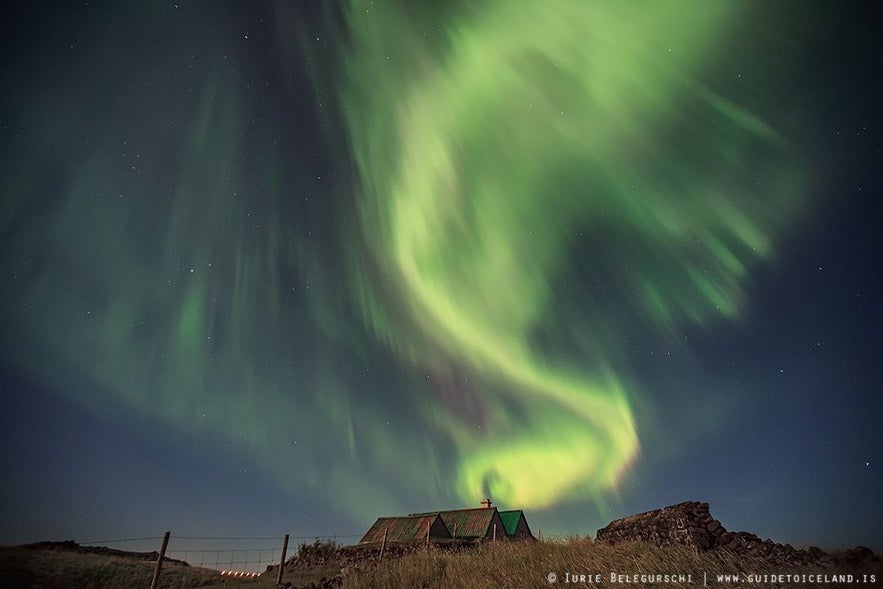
<point x="530" y="564"/>
<point x="59" y="569"/>
<point x="503" y="564"/>
<point x="71" y="566"/>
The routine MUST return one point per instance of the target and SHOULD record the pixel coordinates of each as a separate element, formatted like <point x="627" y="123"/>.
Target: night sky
<point x="285" y="267"/>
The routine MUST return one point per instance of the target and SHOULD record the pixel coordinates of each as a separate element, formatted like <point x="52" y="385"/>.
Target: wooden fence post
<point x="495" y="532"/>
<point x="162" y="553"/>
<point x="427" y="537"/>
<point x="383" y="543"/>
<point x="282" y="562"/>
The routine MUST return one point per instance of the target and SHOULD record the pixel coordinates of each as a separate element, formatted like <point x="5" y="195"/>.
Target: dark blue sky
<point x="207" y="328"/>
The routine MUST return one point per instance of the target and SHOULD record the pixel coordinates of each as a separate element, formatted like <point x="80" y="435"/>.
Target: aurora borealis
<point x="390" y="258"/>
<point x="489" y="165"/>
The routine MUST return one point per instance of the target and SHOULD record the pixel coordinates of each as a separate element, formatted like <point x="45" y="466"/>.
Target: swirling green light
<point x="487" y="150"/>
<point x="538" y="183"/>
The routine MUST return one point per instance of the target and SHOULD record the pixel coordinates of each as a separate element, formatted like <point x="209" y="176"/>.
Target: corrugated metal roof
<point x="469" y="523"/>
<point x="406" y="529"/>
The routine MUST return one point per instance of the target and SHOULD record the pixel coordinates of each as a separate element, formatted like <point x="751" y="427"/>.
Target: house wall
<point x="522" y="531"/>
<point x="438" y="529"/>
<point x="501" y="529"/>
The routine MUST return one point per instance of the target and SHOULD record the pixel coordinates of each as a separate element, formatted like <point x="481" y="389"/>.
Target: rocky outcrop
<point x="691" y="524"/>
<point x="688" y="524"/>
<point x="351" y="559"/>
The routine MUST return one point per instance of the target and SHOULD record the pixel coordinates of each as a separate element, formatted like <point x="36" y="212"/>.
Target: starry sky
<point x="278" y="267"/>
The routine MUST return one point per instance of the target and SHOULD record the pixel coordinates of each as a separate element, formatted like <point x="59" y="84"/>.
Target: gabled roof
<point x="510" y="519"/>
<point x="406" y="529"/>
<point x="516" y="524"/>
<point x="469" y="523"/>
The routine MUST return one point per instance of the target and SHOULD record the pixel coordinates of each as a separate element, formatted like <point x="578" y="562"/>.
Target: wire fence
<point x="239" y="556"/>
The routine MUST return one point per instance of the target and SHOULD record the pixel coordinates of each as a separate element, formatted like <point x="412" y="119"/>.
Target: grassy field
<point x="25" y="568"/>
<point x="529" y="565"/>
<point x="504" y="564"/>
<point x="22" y="567"/>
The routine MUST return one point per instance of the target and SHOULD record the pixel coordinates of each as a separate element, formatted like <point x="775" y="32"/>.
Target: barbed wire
<point x="223" y="538"/>
<point x="236" y="562"/>
<point x="253" y="560"/>
<point x="117" y="540"/>
<point x="331" y="536"/>
<point x="227" y="537"/>
<point x="236" y="552"/>
<point x="197" y="549"/>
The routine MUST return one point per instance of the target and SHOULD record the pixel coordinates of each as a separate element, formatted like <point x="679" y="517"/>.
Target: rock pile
<point x="329" y="554"/>
<point x="691" y="524"/>
<point x="352" y="558"/>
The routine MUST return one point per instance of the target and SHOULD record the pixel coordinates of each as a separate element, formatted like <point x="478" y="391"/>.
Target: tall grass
<point x="24" y="568"/>
<point x="501" y="564"/>
<point x="528" y="564"/>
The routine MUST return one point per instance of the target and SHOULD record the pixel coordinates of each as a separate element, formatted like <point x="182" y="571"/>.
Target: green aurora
<point x="487" y="154"/>
<point x="532" y="186"/>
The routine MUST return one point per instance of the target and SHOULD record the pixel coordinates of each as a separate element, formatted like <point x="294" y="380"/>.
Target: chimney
<point x="486" y="503"/>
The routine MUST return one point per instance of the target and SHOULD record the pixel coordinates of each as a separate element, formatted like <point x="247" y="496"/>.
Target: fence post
<point x="541" y="534"/>
<point x="282" y="562"/>
<point x="427" y="537"/>
<point x="383" y="544"/>
<point x="162" y="553"/>
<point x="495" y="532"/>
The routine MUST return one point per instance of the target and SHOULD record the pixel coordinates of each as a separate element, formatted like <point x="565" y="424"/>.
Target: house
<point x="484" y="523"/>
<point x="480" y="523"/>
<point x="407" y="529"/>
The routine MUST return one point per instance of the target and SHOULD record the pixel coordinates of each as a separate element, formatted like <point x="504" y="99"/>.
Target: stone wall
<point x="691" y="524"/>
<point x="688" y="524"/>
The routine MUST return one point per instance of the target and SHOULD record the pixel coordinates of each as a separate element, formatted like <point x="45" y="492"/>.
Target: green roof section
<point x="510" y="520"/>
